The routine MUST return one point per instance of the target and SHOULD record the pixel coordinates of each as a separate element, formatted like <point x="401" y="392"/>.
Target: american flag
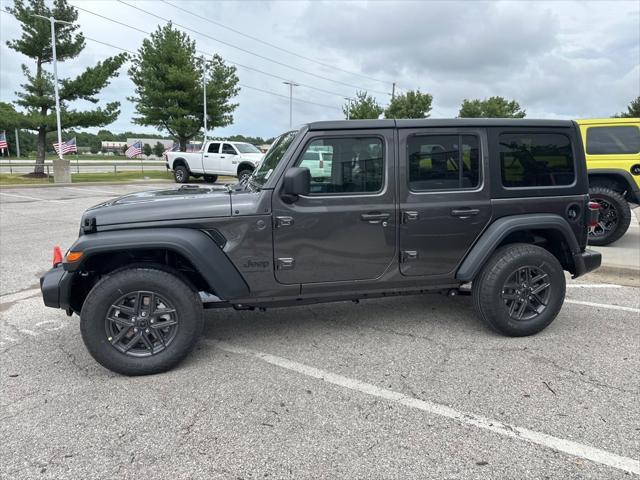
<point x="173" y="148"/>
<point x="134" y="150"/>
<point x="68" y="146"/>
<point x="3" y="140"/>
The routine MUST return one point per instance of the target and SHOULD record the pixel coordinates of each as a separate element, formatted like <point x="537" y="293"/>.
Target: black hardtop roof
<point x="437" y="122"/>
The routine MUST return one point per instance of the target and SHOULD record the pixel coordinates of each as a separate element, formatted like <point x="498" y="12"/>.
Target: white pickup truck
<point x="218" y="157"/>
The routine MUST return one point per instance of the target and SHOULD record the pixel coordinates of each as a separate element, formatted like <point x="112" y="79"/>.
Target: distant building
<point x="112" y="146"/>
<point x="151" y="141"/>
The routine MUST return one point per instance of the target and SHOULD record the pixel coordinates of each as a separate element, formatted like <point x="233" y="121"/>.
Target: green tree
<point x="493" y="107"/>
<point x="633" y="110"/>
<point x="95" y="145"/>
<point x="37" y="94"/>
<point x="413" y="104"/>
<point x="147" y="150"/>
<point x="158" y="149"/>
<point x="168" y="79"/>
<point x="362" y="107"/>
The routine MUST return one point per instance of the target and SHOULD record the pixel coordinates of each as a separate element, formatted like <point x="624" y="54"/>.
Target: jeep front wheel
<point x="520" y="290"/>
<point x="614" y="216"/>
<point x="181" y="174"/>
<point x="141" y="321"/>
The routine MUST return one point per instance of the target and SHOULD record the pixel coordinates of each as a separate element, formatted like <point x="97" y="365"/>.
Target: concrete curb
<point x="615" y="274"/>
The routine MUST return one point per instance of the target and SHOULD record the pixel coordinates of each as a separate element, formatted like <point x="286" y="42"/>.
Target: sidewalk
<point x="621" y="259"/>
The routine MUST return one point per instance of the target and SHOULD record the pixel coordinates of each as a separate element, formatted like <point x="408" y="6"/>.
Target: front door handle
<point x="465" y="212"/>
<point x="374" y="217"/>
<point x="221" y="156"/>
<point x="206" y="156"/>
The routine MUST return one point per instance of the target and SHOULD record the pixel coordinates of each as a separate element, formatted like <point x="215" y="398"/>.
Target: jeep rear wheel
<point x="520" y="290"/>
<point x="181" y="174"/>
<point x="141" y="321"/>
<point x="614" y="216"/>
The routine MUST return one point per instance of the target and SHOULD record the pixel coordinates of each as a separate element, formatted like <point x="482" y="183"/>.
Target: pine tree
<point x="37" y="94"/>
<point x="169" y="91"/>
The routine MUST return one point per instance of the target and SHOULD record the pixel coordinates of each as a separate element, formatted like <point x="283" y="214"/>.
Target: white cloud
<point x="558" y="59"/>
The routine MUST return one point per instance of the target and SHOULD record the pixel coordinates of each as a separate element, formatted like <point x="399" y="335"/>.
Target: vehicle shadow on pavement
<point x="423" y="314"/>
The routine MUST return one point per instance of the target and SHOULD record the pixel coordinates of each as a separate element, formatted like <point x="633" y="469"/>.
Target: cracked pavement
<point x="225" y="415"/>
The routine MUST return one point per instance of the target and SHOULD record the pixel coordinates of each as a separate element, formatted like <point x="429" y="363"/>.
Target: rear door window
<point x="228" y="149"/>
<point x="214" y="148"/>
<point x="536" y="160"/>
<point x="443" y="162"/>
<point x="613" y="140"/>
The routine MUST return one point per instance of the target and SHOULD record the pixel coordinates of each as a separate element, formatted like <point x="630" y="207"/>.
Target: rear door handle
<point x="465" y="212"/>
<point x="374" y="217"/>
<point x="221" y="156"/>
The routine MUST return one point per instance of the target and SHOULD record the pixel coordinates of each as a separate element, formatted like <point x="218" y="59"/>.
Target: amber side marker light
<point x="73" y="256"/>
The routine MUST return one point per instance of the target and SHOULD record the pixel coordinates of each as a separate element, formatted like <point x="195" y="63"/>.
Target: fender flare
<point x="632" y="187"/>
<point x="247" y="164"/>
<point x="501" y="228"/>
<point x="195" y="245"/>
<point x="181" y="161"/>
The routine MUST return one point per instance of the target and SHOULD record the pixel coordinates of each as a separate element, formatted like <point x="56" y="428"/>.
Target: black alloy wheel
<point x="141" y="324"/>
<point x="526" y="293"/>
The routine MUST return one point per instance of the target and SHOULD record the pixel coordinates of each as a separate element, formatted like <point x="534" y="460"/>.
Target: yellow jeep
<point x="612" y="148"/>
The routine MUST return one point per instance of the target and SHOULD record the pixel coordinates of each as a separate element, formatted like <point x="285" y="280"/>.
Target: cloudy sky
<point x="559" y="59"/>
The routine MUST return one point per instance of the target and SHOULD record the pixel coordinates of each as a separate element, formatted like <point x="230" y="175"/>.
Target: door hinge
<point x="409" y="216"/>
<point x="285" y="263"/>
<point x="283" y="221"/>
<point x="409" y="255"/>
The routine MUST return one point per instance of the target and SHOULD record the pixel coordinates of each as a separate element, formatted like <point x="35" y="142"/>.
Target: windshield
<point x="272" y="158"/>
<point x="246" y="148"/>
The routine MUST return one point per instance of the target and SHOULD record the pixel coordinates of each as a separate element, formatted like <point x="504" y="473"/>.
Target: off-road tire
<point x="210" y="178"/>
<point x="622" y="211"/>
<point x="185" y="301"/>
<point x="181" y="174"/>
<point x="488" y="288"/>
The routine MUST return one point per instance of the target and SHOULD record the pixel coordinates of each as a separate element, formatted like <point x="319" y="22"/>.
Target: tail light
<point x="594" y="212"/>
<point x="57" y="256"/>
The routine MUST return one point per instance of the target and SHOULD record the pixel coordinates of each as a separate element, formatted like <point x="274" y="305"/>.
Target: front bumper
<point x="586" y="262"/>
<point x="55" y="286"/>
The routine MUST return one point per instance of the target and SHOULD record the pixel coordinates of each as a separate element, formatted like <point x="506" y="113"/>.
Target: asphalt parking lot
<point x="411" y="387"/>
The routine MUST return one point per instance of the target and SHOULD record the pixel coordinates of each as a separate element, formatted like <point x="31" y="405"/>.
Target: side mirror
<point x="297" y="181"/>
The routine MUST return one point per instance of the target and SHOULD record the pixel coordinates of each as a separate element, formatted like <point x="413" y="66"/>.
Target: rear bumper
<point x="55" y="286"/>
<point x="586" y="262"/>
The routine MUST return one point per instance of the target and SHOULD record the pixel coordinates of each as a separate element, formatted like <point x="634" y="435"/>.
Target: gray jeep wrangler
<point x="395" y="207"/>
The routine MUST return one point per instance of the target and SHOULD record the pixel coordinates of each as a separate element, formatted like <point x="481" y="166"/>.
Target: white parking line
<point x="29" y="198"/>
<point x="603" y="305"/>
<point x="593" y="285"/>
<point x="17" y="296"/>
<point x="567" y="446"/>
<point x="93" y="190"/>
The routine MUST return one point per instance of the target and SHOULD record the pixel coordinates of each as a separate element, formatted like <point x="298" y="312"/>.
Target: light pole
<point x="348" y="99"/>
<point x="55" y="75"/>
<point x="204" y="84"/>
<point x="291" y="85"/>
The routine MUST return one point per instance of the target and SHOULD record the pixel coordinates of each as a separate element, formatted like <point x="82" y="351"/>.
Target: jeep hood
<point x="163" y="205"/>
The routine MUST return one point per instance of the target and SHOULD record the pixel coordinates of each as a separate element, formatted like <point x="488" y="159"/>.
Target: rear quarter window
<point x="536" y="160"/>
<point x="613" y="140"/>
